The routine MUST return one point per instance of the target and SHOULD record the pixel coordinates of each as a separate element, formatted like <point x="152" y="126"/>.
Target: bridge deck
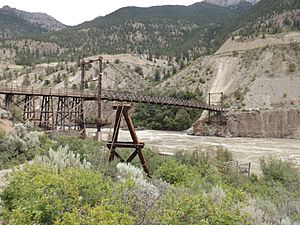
<point x="109" y="96"/>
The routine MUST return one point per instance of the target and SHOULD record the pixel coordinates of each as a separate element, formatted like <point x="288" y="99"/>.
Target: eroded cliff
<point x="280" y="123"/>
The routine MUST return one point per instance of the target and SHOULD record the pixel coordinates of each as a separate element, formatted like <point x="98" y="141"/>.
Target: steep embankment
<point x="280" y="123"/>
<point x="264" y="75"/>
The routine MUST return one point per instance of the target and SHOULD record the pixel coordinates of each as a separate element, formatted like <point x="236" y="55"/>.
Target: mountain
<point x="230" y="2"/>
<point x="14" y="22"/>
<point x="161" y="30"/>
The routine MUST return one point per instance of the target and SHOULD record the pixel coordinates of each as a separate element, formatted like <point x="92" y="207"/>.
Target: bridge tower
<point x="215" y="99"/>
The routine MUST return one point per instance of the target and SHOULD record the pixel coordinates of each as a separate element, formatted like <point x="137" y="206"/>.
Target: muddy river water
<point x="245" y="150"/>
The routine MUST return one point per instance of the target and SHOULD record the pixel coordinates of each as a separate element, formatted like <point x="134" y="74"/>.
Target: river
<point x="245" y="150"/>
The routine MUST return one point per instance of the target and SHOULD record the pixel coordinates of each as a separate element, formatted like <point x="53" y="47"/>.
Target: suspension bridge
<point x="64" y="109"/>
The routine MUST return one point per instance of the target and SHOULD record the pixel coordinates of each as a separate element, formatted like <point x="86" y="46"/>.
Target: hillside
<point x="255" y="18"/>
<point x="253" y="74"/>
<point x="184" y="31"/>
<point x="16" y="23"/>
<point x="192" y="31"/>
<point x="41" y="19"/>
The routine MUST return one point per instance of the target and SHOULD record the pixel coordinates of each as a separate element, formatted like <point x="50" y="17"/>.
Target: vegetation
<point x="185" y="189"/>
<point x="167" y="117"/>
<point x="261" y="18"/>
<point x="23" y="146"/>
<point x="70" y="180"/>
<point x="12" y="26"/>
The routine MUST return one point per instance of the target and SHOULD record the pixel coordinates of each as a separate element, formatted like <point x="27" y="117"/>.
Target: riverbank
<point x="273" y="123"/>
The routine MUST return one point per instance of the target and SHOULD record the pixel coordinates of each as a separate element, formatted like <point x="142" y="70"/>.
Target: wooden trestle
<point x="135" y="144"/>
<point x="52" y="113"/>
<point x="70" y="114"/>
<point x="29" y="112"/>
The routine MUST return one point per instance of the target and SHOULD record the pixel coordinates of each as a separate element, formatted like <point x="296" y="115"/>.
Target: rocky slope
<point x="260" y="73"/>
<point x="121" y="71"/>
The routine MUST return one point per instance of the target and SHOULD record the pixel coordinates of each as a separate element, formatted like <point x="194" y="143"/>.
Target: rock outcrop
<point x="280" y="123"/>
<point x="229" y="2"/>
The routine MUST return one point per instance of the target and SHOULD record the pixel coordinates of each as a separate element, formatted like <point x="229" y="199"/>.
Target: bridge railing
<point x="107" y="95"/>
<point x="46" y="91"/>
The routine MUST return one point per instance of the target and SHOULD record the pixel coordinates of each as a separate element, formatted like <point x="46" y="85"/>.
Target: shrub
<point x="276" y="170"/>
<point x="203" y="157"/>
<point x="238" y="95"/>
<point x="127" y="171"/>
<point x="47" y="82"/>
<point x="139" y="70"/>
<point x="61" y="159"/>
<point x="180" y="207"/>
<point x="5" y="114"/>
<point x="74" y="196"/>
<point x="174" y="173"/>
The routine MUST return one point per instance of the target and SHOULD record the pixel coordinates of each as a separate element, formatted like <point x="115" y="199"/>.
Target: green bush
<point x="75" y="196"/>
<point x="174" y="173"/>
<point x="181" y="207"/>
<point x="275" y="170"/>
<point x="204" y="157"/>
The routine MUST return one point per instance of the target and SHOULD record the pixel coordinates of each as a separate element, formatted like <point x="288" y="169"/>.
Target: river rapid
<point x="245" y="150"/>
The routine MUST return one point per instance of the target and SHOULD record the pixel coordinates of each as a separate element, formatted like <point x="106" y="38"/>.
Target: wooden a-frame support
<point x="135" y="144"/>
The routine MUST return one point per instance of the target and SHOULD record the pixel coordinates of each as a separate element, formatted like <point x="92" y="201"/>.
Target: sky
<point x="75" y="12"/>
